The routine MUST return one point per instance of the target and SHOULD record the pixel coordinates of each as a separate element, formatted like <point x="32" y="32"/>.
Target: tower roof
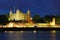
<point x="17" y="11"/>
<point x="11" y="12"/>
<point x="28" y="12"/>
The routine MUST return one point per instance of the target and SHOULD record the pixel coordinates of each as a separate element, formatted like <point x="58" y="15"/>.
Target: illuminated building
<point x="20" y="16"/>
<point x="53" y="22"/>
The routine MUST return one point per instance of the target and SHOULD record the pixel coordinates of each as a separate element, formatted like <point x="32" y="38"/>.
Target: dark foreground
<point x="28" y="29"/>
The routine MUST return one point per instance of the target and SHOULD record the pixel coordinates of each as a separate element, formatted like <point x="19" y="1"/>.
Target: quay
<point x="28" y="29"/>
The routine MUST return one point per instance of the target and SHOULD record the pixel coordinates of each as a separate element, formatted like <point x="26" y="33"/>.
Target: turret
<point x="17" y="11"/>
<point x="11" y="12"/>
<point x="28" y="12"/>
<point x="28" y="17"/>
<point x="53" y="22"/>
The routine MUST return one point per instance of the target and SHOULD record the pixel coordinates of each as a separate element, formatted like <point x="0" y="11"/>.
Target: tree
<point x="42" y="20"/>
<point x="48" y="18"/>
<point x="57" y="19"/>
<point x="36" y="18"/>
<point x="3" y="19"/>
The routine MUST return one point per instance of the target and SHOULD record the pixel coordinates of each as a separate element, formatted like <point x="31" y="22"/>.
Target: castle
<point x="26" y="17"/>
<point x="20" y="16"/>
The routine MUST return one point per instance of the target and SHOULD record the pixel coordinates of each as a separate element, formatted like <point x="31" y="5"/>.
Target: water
<point x="30" y="35"/>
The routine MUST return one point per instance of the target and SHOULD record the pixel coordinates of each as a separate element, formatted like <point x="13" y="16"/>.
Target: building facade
<point x="20" y="16"/>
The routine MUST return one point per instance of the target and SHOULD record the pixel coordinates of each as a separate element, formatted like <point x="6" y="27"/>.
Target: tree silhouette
<point x="3" y="19"/>
<point x="48" y="18"/>
<point x="36" y="18"/>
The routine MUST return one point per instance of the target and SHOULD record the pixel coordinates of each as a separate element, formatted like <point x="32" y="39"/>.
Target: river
<point x="30" y="35"/>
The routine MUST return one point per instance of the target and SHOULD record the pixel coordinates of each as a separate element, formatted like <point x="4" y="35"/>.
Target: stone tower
<point x="17" y="14"/>
<point x="53" y="22"/>
<point x="11" y="13"/>
<point x="28" y="17"/>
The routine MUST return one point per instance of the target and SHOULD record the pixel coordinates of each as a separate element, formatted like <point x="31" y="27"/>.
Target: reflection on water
<point x="53" y="35"/>
<point x="30" y="35"/>
<point x="14" y="35"/>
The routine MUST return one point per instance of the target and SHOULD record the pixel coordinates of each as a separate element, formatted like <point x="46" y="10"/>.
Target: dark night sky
<point x="41" y="7"/>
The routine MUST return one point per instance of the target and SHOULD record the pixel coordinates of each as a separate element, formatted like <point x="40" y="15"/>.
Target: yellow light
<point x="5" y="31"/>
<point x="53" y="31"/>
<point x="9" y="25"/>
<point x="21" y="31"/>
<point x="34" y="31"/>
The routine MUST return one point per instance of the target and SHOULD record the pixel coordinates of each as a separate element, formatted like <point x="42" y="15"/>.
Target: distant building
<point x="20" y="16"/>
<point x="53" y="22"/>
